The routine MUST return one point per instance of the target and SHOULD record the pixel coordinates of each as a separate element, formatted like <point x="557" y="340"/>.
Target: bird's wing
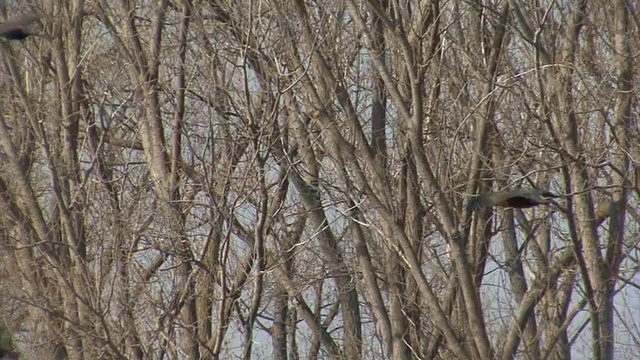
<point x="491" y="199"/>
<point x="24" y="20"/>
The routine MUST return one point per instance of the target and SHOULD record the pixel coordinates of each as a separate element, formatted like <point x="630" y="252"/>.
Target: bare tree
<point x="291" y="179"/>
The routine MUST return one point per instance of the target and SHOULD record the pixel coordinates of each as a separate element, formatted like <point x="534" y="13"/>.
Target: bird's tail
<point x="476" y="203"/>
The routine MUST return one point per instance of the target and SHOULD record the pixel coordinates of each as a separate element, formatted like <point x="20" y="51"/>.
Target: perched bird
<point x="19" y="28"/>
<point x="520" y="198"/>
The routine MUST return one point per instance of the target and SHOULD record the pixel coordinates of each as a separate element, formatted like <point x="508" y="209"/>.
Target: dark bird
<point x="19" y="28"/>
<point x="520" y="198"/>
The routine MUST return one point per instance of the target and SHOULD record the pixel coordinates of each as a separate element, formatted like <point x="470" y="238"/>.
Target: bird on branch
<point x="19" y="28"/>
<point x="520" y="198"/>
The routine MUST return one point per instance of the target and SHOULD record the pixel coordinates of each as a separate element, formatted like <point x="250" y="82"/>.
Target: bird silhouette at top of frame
<point x="18" y="28"/>
<point x="520" y="198"/>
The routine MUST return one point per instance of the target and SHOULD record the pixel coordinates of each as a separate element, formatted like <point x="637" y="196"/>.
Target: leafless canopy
<point x="291" y="179"/>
